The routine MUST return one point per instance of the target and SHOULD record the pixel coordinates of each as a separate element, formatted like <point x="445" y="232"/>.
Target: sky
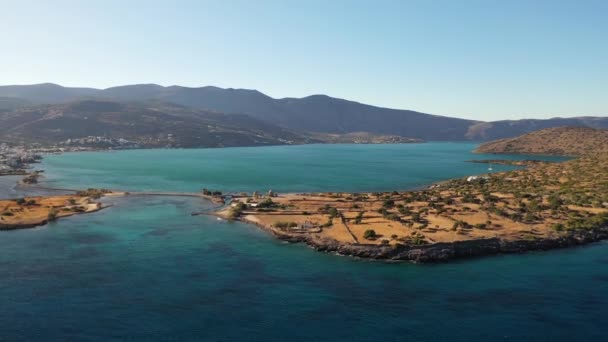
<point x="484" y="60"/>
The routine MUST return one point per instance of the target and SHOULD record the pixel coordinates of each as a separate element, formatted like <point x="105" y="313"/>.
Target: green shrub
<point x="284" y="225"/>
<point x="370" y="234"/>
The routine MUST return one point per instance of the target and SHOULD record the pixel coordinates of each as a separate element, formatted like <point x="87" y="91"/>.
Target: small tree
<point x="52" y="216"/>
<point x="359" y="217"/>
<point x="370" y="234"/>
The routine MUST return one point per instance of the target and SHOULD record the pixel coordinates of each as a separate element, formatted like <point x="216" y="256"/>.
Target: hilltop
<point x="571" y="141"/>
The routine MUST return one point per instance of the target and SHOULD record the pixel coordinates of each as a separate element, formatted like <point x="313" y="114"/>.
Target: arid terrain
<point x="570" y="141"/>
<point x="34" y="211"/>
<point x="546" y="205"/>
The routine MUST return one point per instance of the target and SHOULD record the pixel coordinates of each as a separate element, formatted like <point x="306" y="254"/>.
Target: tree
<point x="359" y="217"/>
<point x="388" y="203"/>
<point x="333" y="212"/>
<point x="370" y="234"/>
<point x="555" y="202"/>
<point x="52" y="216"/>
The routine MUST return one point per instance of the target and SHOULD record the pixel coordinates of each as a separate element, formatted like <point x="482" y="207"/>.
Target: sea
<point x="146" y="270"/>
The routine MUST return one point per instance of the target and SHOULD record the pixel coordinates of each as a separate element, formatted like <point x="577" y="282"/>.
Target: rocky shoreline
<point x="443" y="252"/>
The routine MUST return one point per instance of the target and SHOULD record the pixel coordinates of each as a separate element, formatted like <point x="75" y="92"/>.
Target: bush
<point x="236" y="211"/>
<point x="393" y="217"/>
<point x="370" y="234"/>
<point x="52" y="215"/>
<point x="267" y="203"/>
<point x="333" y="212"/>
<point x="389" y="203"/>
<point x="404" y="211"/>
<point x="284" y="225"/>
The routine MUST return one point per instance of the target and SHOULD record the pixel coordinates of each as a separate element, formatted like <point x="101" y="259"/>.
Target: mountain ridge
<point x="154" y="125"/>
<point x="316" y="113"/>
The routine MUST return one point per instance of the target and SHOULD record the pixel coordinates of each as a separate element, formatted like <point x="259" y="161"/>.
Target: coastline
<point x="436" y="252"/>
<point x="395" y="249"/>
<point x="550" y="232"/>
<point x="31" y="212"/>
<point x="441" y="252"/>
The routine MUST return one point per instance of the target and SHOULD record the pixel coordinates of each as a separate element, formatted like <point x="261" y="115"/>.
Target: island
<point x="545" y="206"/>
<point x="31" y="212"/>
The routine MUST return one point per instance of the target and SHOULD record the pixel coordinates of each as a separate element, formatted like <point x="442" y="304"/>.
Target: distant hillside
<point x="571" y="141"/>
<point x="362" y="138"/>
<point x="148" y="126"/>
<point x="317" y="113"/>
<point x="10" y="103"/>
<point x="511" y="128"/>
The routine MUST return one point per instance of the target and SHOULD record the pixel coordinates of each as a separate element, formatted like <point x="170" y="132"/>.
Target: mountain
<point x="510" y="128"/>
<point x="45" y="93"/>
<point x="10" y="103"/>
<point x="152" y="125"/>
<point x="316" y="113"/>
<point x="571" y="141"/>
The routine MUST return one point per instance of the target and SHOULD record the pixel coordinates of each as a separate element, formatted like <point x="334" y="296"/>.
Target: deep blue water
<point x="146" y="270"/>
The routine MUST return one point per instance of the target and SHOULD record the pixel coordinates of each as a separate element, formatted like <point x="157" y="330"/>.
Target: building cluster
<point x="98" y="141"/>
<point x="14" y="158"/>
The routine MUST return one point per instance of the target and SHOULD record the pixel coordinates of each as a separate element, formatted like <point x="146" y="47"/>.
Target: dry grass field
<point x="33" y="211"/>
<point x="546" y="200"/>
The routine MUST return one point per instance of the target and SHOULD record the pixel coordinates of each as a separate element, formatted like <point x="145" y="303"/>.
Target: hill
<point x="572" y="141"/>
<point x="485" y="131"/>
<point x="317" y="113"/>
<point x="152" y="125"/>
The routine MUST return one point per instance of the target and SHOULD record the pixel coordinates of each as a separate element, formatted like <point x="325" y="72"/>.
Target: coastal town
<point x="14" y="160"/>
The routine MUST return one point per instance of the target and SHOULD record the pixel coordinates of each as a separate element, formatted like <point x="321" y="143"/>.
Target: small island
<point x="547" y="205"/>
<point x="29" y="212"/>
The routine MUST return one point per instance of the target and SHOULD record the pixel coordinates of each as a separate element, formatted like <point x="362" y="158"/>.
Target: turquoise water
<point x="147" y="270"/>
<point x="281" y="168"/>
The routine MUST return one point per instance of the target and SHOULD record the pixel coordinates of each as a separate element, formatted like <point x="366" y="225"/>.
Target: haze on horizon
<point x="483" y="60"/>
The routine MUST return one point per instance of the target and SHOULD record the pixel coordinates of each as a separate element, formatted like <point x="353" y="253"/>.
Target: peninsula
<point x="547" y="205"/>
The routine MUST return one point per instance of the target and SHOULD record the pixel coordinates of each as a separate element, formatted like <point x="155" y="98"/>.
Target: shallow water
<point x="281" y="168"/>
<point x="147" y="270"/>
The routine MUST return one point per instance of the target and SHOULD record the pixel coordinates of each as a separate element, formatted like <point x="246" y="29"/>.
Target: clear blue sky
<point x="485" y="60"/>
